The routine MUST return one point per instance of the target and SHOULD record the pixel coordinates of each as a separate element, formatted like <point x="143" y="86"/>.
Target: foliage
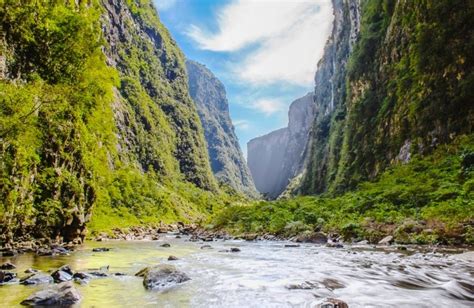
<point x="429" y="199"/>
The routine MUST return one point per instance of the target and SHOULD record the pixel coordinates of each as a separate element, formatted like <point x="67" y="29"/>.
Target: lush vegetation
<point x="428" y="200"/>
<point x="85" y="133"/>
<point x="409" y="81"/>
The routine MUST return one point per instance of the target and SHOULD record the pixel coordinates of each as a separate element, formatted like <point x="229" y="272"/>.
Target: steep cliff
<point x="401" y="88"/>
<point x="226" y="158"/>
<point x="95" y="119"/>
<point x="277" y="157"/>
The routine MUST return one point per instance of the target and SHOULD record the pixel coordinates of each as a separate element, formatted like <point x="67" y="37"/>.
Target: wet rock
<point x="332" y="284"/>
<point x="165" y="245"/>
<point x="334" y="245"/>
<point x="161" y="277"/>
<point x="206" y="247"/>
<point x="64" y="273"/>
<point x="100" y="249"/>
<point x="292" y="245"/>
<point x="120" y="274"/>
<point x="333" y="303"/>
<point x="98" y="274"/>
<point x="31" y="271"/>
<point x="7" y="266"/>
<point x="6" y="277"/>
<point x="312" y="237"/>
<point x="178" y="236"/>
<point x="37" y="278"/>
<point x="250" y="237"/>
<point x="386" y="240"/>
<point x="63" y="294"/>
<point x="82" y="276"/>
<point x="172" y="258"/>
<point x="9" y="253"/>
<point x="234" y="249"/>
<point x="307" y="285"/>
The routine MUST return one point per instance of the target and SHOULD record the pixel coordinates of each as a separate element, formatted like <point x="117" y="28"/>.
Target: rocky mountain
<point x="274" y="159"/>
<point x="395" y="81"/>
<point x="226" y="158"/>
<point x="96" y="121"/>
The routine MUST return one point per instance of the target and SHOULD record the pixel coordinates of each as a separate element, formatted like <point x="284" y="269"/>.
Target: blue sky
<point x="265" y="52"/>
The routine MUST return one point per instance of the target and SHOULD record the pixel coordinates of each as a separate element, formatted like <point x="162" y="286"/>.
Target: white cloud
<point x="267" y="106"/>
<point x="241" y="124"/>
<point x="285" y="39"/>
<point x="163" y="5"/>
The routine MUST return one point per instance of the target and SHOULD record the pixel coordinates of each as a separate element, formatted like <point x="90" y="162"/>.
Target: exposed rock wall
<point x="226" y="158"/>
<point x="387" y="89"/>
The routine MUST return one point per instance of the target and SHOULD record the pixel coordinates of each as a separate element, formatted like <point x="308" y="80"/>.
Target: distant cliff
<point x="274" y="159"/>
<point x="227" y="161"/>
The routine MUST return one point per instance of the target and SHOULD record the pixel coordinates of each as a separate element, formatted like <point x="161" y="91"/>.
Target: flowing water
<point x="262" y="274"/>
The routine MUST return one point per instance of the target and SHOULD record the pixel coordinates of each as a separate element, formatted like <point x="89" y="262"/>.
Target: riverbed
<point x="261" y="274"/>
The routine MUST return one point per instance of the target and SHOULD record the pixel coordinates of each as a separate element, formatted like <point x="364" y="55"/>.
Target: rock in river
<point x="64" y="273"/>
<point x="37" y="278"/>
<point x="312" y="237"/>
<point x="161" y="277"/>
<point x="7" y="266"/>
<point x="63" y="294"/>
<point x="386" y="240"/>
<point x="6" y="277"/>
<point x="333" y="303"/>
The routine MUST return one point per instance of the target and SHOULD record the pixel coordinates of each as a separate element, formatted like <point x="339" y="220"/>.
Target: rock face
<point x="133" y="121"/>
<point x="227" y="162"/>
<point x="274" y="159"/>
<point x="63" y="294"/>
<point x="162" y="277"/>
<point x="395" y="99"/>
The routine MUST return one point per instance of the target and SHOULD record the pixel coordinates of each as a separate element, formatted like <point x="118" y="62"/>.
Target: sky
<point x="265" y="52"/>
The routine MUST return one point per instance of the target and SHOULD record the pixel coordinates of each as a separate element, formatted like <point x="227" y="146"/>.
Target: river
<point x="262" y="274"/>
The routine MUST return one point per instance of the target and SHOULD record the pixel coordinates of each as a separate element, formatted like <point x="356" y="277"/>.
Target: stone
<point x="291" y="245"/>
<point x="234" y="249"/>
<point x="7" y="266"/>
<point x="31" y="271"/>
<point x="63" y="294"/>
<point x="312" y="237"/>
<point x="333" y="303"/>
<point x="332" y="284"/>
<point x="167" y="245"/>
<point x="101" y="249"/>
<point x="162" y="277"/>
<point x="37" y="278"/>
<point x="386" y="240"/>
<point x="6" y="277"/>
<point x="10" y="253"/>
<point x="172" y="258"/>
<point x="206" y="247"/>
<point x="334" y="245"/>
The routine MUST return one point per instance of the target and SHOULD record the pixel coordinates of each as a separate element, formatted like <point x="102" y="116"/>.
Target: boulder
<point x="206" y="247"/>
<point x="64" y="273"/>
<point x="7" y="266"/>
<point x="36" y="278"/>
<point x="161" y="277"/>
<point x="10" y="253"/>
<point x="333" y="303"/>
<point x="6" y="277"/>
<point x="235" y="249"/>
<point x="100" y="249"/>
<point x="63" y="294"/>
<point x="386" y="240"/>
<point x="165" y="245"/>
<point x="312" y="237"/>
<point x="172" y="258"/>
